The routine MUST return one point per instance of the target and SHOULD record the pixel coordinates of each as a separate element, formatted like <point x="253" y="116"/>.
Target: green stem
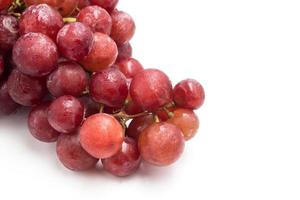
<point x="69" y="19"/>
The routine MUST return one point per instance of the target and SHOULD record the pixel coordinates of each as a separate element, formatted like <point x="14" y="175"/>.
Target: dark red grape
<point x="189" y="94"/>
<point x="130" y="67"/>
<point x="74" y="41"/>
<point x="5" y="4"/>
<point x="151" y="89"/>
<point x="126" y="161"/>
<point x="96" y="18"/>
<point x="125" y="51"/>
<point x="123" y="27"/>
<point x="65" y="114"/>
<point x="7" y="104"/>
<point x="68" y="79"/>
<point x="41" y="19"/>
<point x="25" y="90"/>
<point x="109" y="87"/>
<point x="83" y="3"/>
<point x="90" y="106"/>
<point x="35" y="54"/>
<point x="8" y="32"/>
<point x="1" y="65"/>
<point x="108" y="5"/>
<point x="39" y="126"/>
<point x="161" y="144"/>
<point x="72" y="155"/>
<point x="186" y="120"/>
<point x="103" y="53"/>
<point x="138" y="125"/>
<point x="131" y="108"/>
<point x="101" y="135"/>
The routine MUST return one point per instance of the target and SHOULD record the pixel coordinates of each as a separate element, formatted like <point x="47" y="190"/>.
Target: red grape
<point x="41" y="19"/>
<point x="125" y="51"/>
<point x="108" y="5"/>
<point x="25" y="90"/>
<point x="68" y="79"/>
<point x="101" y="135"/>
<point x="126" y="161"/>
<point x="74" y="41"/>
<point x="96" y="18"/>
<point x="7" y="105"/>
<point x="189" y="94"/>
<point x="151" y="89"/>
<point x="72" y="155"/>
<point x="131" y="108"/>
<point x="161" y="144"/>
<point x="35" y="54"/>
<point x="8" y="32"/>
<point x="138" y="125"/>
<point x="123" y="27"/>
<point x="65" y="114"/>
<point x="5" y="4"/>
<point x="109" y="87"/>
<point x="90" y="107"/>
<point x="83" y="3"/>
<point x="186" y="120"/>
<point x="163" y="115"/>
<point x="39" y="126"/>
<point x="130" y="67"/>
<point x="102" y="55"/>
<point x="1" y="65"/>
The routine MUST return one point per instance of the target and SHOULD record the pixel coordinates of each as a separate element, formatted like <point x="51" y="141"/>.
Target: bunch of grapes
<point x="70" y="61"/>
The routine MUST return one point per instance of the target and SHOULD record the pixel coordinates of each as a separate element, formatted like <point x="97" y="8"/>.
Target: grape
<point x="109" y="87"/>
<point x="65" y="114"/>
<point x="189" y="94"/>
<point x="39" y="126"/>
<point x="126" y="161"/>
<point x="68" y="79"/>
<point x="163" y="115"/>
<point x="74" y="41"/>
<point x="35" y="54"/>
<point x="102" y="55"/>
<point x="131" y="108"/>
<point x="101" y="135"/>
<point x="90" y="107"/>
<point x="161" y="144"/>
<point x="130" y="67"/>
<point x="186" y="120"/>
<point x="25" y="90"/>
<point x="65" y="7"/>
<point x="150" y="89"/>
<point x="125" y="51"/>
<point x="83" y="3"/>
<point x="1" y="65"/>
<point x="72" y="155"/>
<point x="5" y="4"/>
<point x="123" y="27"/>
<point x="96" y="18"/>
<point x="138" y="125"/>
<point x="41" y="19"/>
<point x="7" y="105"/>
<point x="8" y="32"/>
<point x="108" y="5"/>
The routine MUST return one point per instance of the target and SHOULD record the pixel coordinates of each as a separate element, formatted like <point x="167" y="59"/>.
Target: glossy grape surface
<point x="108" y="5"/>
<point x="130" y="67"/>
<point x="124" y="51"/>
<point x="5" y="4"/>
<point x="138" y="125"/>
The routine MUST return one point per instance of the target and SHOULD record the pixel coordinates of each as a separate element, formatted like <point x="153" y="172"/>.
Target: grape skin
<point x="72" y="155"/>
<point x="8" y="32"/>
<point x="35" y="54"/>
<point x="41" y="19"/>
<point x="109" y="87"/>
<point x="7" y="104"/>
<point x="103" y="53"/>
<point x="39" y="126"/>
<point x="1" y="65"/>
<point x="65" y="114"/>
<point x="74" y="41"/>
<point x="126" y="161"/>
<point x="25" y="90"/>
<point x="96" y="18"/>
<point x="150" y="89"/>
<point x="68" y="79"/>
<point x="138" y="125"/>
<point x="124" y="51"/>
<point x="108" y="5"/>
<point x="130" y="67"/>
<point x="161" y="144"/>
<point x="5" y="4"/>
<point x="101" y="135"/>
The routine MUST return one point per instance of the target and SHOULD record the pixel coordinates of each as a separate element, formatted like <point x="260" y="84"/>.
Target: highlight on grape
<point x="71" y="63"/>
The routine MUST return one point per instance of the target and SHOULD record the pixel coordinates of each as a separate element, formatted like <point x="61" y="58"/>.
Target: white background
<point x="247" y="55"/>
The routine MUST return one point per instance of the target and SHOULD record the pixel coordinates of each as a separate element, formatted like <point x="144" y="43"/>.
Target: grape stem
<point x="69" y="19"/>
<point x="127" y="117"/>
